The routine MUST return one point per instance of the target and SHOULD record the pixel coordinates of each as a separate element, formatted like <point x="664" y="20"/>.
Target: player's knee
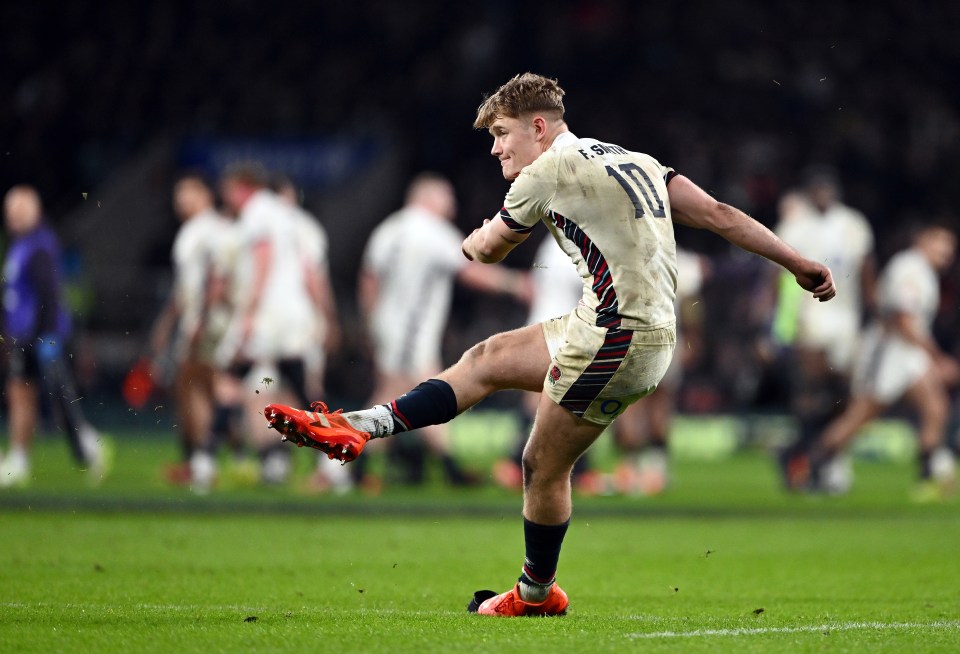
<point x="542" y="471"/>
<point x="484" y="352"/>
<point x="475" y="354"/>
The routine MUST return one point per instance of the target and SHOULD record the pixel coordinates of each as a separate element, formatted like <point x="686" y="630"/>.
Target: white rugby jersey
<point x="609" y="211"/>
<point x="284" y="319"/>
<point x="415" y="256"/>
<point x="196" y="251"/>
<point x="909" y="284"/>
<point x="312" y="239"/>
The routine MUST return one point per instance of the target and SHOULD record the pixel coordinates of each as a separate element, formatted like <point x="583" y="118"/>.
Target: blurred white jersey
<point x="283" y="323"/>
<point x="689" y="282"/>
<point x="557" y="286"/>
<point x="196" y="249"/>
<point x="888" y="364"/>
<point x="842" y="239"/>
<point x="415" y="257"/>
<point x="314" y="246"/>
<point x="312" y="239"/>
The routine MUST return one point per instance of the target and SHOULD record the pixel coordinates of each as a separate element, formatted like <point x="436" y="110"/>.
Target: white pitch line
<point x="843" y="626"/>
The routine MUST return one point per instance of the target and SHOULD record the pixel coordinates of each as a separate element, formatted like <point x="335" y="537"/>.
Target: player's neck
<point x="552" y="134"/>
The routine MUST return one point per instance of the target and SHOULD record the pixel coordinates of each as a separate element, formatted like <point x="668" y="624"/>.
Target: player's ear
<point x="539" y="127"/>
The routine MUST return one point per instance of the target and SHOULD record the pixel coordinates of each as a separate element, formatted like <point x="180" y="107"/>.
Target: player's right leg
<point x="516" y="359"/>
<point x="930" y="398"/>
<point x="558" y="439"/>
<point x="834" y="440"/>
<point x="194" y="394"/>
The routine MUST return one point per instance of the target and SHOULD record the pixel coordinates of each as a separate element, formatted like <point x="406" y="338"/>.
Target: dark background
<point x="101" y="101"/>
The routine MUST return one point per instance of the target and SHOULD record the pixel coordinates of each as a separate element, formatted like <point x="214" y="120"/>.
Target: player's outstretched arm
<point x="491" y="242"/>
<point x="692" y="206"/>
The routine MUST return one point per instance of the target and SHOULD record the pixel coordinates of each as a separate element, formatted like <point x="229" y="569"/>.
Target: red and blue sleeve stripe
<point x="513" y="224"/>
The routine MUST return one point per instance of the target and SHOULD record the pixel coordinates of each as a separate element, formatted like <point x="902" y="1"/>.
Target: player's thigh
<point x="516" y="359"/>
<point x="557" y="440"/>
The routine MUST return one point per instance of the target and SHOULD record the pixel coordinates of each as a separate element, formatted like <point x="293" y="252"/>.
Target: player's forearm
<point x="491" y="242"/>
<point x="262" y="261"/>
<point x="163" y="327"/>
<point x="746" y="233"/>
<point x="368" y="289"/>
<point x="480" y="247"/>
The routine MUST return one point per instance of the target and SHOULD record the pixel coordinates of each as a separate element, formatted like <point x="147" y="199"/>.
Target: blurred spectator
<point x="36" y="330"/>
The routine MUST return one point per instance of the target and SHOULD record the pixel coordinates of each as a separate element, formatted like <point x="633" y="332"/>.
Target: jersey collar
<point x="563" y="140"/>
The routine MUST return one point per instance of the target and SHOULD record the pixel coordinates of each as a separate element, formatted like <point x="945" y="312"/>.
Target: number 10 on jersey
<point x="638" y="181"/>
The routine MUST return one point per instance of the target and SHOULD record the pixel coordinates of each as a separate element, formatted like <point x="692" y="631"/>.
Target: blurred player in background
<point x="313" y="247"/>
<point x="36" y="331"/>
<point x="899" y="358"/>
<point x="406" y="282"/>
<point x="820" y="339"/>
<point x="610" y="210"/>
<point x="642" y="430"/>
<point x="190" y="327"/>
<point x="270" y="291"/>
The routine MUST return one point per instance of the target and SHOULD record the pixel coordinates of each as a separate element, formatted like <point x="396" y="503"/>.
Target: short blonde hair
<point x="524" y="94"/>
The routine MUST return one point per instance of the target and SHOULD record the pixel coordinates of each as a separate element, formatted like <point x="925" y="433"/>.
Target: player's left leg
<point x="85" y="442"/>
<point x="516" y="359"/>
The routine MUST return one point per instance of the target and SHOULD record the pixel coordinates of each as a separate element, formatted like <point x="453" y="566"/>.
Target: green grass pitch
<point x="724" y="562"/>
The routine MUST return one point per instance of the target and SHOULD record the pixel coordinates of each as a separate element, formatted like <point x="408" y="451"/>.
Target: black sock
<point x="220" y="424"/>
<point x="454" y="473"/>
<point x="186" y="449"/>
<point x="431" y="403"/>
<point x="543" y="544"/>
<point x="924" y="460"/>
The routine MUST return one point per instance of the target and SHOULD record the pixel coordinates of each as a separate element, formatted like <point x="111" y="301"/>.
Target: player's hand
<point x="468" y="248"/>
<point x="816" y="278"/>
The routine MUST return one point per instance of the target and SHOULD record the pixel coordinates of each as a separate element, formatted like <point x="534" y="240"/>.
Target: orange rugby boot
<point x="509" y="604"/>
<point x="321" y="429"/>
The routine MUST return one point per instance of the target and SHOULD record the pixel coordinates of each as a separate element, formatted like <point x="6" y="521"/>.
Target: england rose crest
<point x="554" y="375"/>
